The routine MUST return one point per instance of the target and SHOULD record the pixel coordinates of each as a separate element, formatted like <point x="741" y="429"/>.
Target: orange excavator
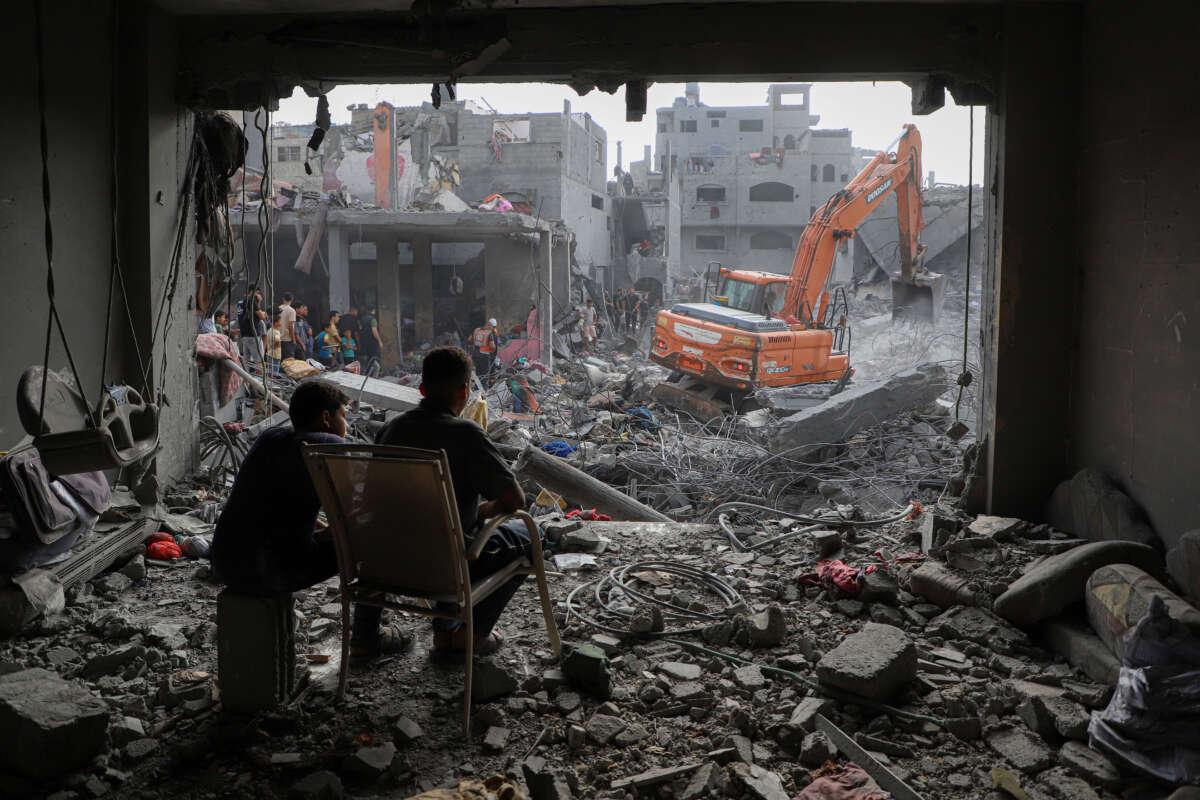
<point x="764" y="329"/>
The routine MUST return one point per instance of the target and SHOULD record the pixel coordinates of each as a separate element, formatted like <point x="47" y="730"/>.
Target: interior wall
<point x="150" y="149"/>
<point x="78" y="121"/>
<point x="1027" y="328"/>
<point x="1136" y="380"/>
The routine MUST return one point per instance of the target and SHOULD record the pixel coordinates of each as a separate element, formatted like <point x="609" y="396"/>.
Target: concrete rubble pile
<point x="851" y="622"/>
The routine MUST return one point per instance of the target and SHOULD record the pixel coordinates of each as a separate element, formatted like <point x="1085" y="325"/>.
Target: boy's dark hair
<point x="444" y="370"/>
<point x="276" y="317"/>
<point x="287" y="296"/>
<point x="301" y="305"/>
<point x="311" y="398"/>
<point x="333" y="314"/>
<point x="218" y="314"/>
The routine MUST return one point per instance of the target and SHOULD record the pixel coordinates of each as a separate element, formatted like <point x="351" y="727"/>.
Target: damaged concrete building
<point x="750" y="176"/>
<point x="985" y="591"/>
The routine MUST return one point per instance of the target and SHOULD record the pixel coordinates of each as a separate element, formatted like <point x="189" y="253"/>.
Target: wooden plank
<point x="652" y="777"/>
<point x="887" y="780"/>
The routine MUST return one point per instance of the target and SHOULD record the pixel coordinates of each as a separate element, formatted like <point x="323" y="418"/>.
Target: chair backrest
<point x="393" y="516"/>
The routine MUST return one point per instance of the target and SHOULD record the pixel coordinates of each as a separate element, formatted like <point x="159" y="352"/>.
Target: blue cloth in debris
<point x="559" y="448"/>
<point x="643" y="417"/>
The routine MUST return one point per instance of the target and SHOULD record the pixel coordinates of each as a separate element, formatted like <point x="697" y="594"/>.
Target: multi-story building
<point x="750" y="176"/>
<point x="554" y="165"/>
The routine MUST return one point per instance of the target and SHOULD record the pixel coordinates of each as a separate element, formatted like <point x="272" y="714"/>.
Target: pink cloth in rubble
<point x="849" y="782"/>
<point x="218" y="347"/>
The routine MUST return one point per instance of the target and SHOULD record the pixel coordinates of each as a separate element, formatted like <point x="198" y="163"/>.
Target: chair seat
<point x="479" y="589"/>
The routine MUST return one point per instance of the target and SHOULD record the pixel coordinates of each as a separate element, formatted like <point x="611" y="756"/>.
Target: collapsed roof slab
<point x="437" y="226"/>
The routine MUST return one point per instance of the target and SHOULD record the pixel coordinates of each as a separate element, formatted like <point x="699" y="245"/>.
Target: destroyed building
<point x="974" y="578"/>
<point x="750" y="176"/>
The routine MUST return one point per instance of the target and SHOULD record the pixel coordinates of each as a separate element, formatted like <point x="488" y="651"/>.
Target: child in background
<point x="348" y="345"/>
<point x="273" y="345"/>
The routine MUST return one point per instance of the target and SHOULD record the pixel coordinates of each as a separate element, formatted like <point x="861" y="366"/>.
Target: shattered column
<point x="545" y="301"/>
<point x="422" y="250"/>
<point x="388" y="283"/>
<point x="339" y="269"/>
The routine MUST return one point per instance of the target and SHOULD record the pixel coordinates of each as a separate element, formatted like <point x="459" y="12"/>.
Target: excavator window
<point x="740" y="294"/>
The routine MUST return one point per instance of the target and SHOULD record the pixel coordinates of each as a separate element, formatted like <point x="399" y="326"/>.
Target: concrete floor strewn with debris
<point x="839" y="612"/>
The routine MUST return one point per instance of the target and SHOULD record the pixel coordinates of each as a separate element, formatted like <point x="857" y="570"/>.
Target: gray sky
<point x="874" y="112"/>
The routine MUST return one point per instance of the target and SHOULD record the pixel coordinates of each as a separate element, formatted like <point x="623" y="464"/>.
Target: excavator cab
<point x="755" y="292"/>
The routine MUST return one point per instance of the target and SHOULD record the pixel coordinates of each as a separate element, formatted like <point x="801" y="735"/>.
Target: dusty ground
<point x="206" y="753"/>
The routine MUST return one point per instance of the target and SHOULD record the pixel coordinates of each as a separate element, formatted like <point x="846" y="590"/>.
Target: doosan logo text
<point x="878" y="190"/>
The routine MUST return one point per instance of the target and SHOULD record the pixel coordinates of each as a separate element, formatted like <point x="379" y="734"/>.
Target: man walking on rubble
<point x="287" y="327"/>
<point x="477" y="470"/>
<point x="619" y="318"/>
<point x="486" y="344"/>
<point x="252" y="326"/>
<point x="304" y="344"/>
<point x="589" y="325"/>
<point x="370" y="345"/>
<point x="267" y="540"/>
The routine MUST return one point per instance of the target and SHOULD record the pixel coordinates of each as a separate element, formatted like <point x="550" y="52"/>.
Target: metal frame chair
<point x="419" y="551"/>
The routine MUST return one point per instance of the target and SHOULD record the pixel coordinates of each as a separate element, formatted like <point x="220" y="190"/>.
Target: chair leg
<point x="539" y="573"/>
<point x="344" y="667"/>
<point x="470" y="654"/>
<point x="548" y="612"/>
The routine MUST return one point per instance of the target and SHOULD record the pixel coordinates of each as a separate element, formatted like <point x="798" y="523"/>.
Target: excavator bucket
<point x="918" y="299"/>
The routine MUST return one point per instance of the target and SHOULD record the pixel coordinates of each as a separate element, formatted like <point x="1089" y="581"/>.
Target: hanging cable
<point x="964" y="378"/>
<point x="53" y="320"/>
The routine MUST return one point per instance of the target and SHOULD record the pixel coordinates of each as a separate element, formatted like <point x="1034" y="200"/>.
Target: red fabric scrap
<point x="218" y="347"/>
<point x="590" y="515"/>
<point x="849" y="782"/>
<point x="164" y="550"/>
<point x="834" y="573"/>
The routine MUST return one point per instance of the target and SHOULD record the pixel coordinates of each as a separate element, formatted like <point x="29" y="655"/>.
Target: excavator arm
<point x="900" y="172"/>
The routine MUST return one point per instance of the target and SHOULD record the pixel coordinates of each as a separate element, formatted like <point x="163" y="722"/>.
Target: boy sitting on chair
<point x="267" y="541"/>
<point x="477" y="471"/>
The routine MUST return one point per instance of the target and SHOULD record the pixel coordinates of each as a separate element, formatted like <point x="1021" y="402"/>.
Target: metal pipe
<point x="256" y="384"/>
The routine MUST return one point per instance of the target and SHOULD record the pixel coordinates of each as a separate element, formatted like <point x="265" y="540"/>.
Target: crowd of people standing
<point x="288" y="333"/>
<point x="629" y="310"/>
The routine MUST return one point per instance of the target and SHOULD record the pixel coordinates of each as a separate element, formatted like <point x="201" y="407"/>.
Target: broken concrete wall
<point x="153" y="140"/>
<point x="858" y="407"/>
<point x="1134" y="376"/>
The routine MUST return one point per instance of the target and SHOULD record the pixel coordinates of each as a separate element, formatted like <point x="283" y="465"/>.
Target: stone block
<point x="1058" y="581"/>
<point x="1183" y="565"/>
<point x="1021" y="749"/>
<point x="816" y="749"/>
<point x="938" y="524"/>
<point x="977" y="625"/>
<point x="1118" y="596"/>
<point x="1085" y="762"/>
<point x="256" y="650"/>
<point x="804" y="715"/>
<point x="603" y="728"/>
<point x="587" y="667"/>
<point x="1052" y="717"/>
<point x="1062" y="785"/>
<point x="768" y="627"/>
<point x="489" y="682"/>
<point x="680" y="671"/>
<point x="993" y="527"/>
<point x="877" y="662"/>
<point x="49" y="726"/>
<point x="323" y="785"/>
<point x="370" y="762"/>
